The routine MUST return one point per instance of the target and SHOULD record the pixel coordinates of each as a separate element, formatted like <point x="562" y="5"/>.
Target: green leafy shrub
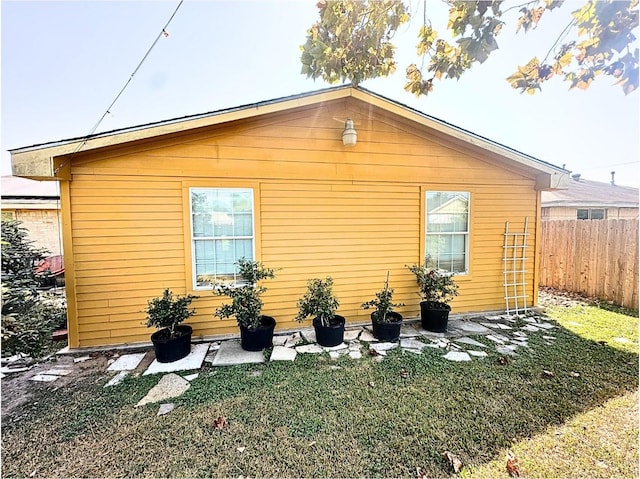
<point x="318" y="301"/>
<point x="168" y="312"/>
<point x="382" y="303"/>
<point x="246" y="303"/>
<point x="436" y="285"/>
<point x="28" y="316"/>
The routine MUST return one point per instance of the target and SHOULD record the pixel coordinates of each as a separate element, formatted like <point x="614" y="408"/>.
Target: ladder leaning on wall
<point x="515" y="269"/>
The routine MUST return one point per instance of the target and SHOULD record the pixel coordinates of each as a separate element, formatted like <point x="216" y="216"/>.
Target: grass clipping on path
<point x="321" y="418"/>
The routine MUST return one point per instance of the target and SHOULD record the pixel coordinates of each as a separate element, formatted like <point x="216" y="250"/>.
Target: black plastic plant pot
<point x="331" y="335"/>
<point x="170" y="349"/>
<point x="434" y="316"/>
<point x="387" y="331"/>
<point x="259" y="338"/>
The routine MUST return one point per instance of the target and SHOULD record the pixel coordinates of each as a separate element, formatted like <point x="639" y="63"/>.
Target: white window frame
<point x="466" y="234"/>
<point x="237" y="279"/>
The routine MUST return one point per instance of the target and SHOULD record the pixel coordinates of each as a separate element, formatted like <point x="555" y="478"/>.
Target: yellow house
<point x="174" y="204"/>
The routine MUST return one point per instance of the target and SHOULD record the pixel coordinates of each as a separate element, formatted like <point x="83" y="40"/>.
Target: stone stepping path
<point x="192" y="361"/>
<point x="456" y="344"/>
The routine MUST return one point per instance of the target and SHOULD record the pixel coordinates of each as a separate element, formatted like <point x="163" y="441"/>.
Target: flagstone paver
<point x="351" y="334"/>
<point x="478" y="354"/>
<point x="457" y="356"/>
<point x="192" y="361"/>
<point x="380" y="347"/>
<point x="293" y="340"/>
<point x="231" y="353"/>
<point x="58" y="372"/>
<point x="170" y="386"/>
<point x="117" y="379"/>
<point x="408" y="331"/>
<point x="410" y="343"/>
<point x="367" y="336"/>
<point x="283" y="353"/>
<point x="505" y="350"/>
<point x="310" y="349"/>
<point x="280" y="340"/>
<point x="127" y="362"/>
<point x="471" y="327"/>
<point x="309" y="335"/>
<point x="166" y="408"/>
<point x="44" y="378"/>
<point x="470" y="342"/>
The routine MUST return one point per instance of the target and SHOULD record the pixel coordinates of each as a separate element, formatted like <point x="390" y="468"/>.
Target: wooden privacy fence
<point x="592" y="257"/>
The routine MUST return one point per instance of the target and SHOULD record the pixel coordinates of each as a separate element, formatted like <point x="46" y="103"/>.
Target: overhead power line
<point x="163" y="32"/>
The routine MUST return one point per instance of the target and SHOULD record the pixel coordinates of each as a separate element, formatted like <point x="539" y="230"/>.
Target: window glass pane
<point x="583" y="214"/>
<point x="221" y="215"/>
<point x="447" y="225"/>
<point x="243" y="224"/>
<point x="597" y="214"/>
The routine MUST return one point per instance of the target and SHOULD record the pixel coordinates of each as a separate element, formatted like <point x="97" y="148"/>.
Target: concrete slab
<point x="117" y="379"/>
<point x="45" y="378"/>
<point x="191" y="377"/>
<point x="82" y="359"/>
<point x="170" y="386"/>
<point x="470" y="342"/>
<point x="128" y="362"/>
<point x="192" y="361"/>
<point x="283" y="353"/>
<point x="231" y="353"/>
<point x="457" y="356"/>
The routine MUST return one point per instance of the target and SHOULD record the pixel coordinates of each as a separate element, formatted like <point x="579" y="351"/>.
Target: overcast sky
<point x="64" y="62"/>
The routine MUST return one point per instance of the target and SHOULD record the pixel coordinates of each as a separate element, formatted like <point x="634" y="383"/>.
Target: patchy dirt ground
<point x="18" y="390"/>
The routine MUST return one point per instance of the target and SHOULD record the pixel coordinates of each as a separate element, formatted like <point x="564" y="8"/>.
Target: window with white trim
<point x="592" y="214"/>
<point x="447" y="230"/>
<point x="221" y="233"/>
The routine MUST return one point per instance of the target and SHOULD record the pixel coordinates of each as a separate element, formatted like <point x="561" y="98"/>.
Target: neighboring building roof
<point x="36" y="161"/>
<point x="15" y="187"/>
<point x="586" y="193"/>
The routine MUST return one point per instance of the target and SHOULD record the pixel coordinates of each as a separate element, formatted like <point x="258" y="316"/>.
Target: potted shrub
<point x="320" y="303"/>
<point x="386" y="322"/>
<point x="437" y="288"/>
<point x="256" y="330"/>
<point x="173" y="340"/>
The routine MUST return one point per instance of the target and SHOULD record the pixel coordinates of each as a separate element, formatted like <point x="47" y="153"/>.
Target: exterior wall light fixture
<point x="349" y="135"/>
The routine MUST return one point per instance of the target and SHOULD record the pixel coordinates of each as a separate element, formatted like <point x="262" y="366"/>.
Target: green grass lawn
<point x="322" y="418"/>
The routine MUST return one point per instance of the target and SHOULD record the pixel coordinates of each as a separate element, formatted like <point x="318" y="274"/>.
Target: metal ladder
<point x="515" y="264"/>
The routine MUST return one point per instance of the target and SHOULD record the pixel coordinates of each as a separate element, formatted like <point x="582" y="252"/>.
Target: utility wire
<point x="163" y="31"/>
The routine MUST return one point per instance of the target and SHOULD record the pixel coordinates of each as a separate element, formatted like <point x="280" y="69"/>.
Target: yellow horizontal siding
<point x="325" y="210"/>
